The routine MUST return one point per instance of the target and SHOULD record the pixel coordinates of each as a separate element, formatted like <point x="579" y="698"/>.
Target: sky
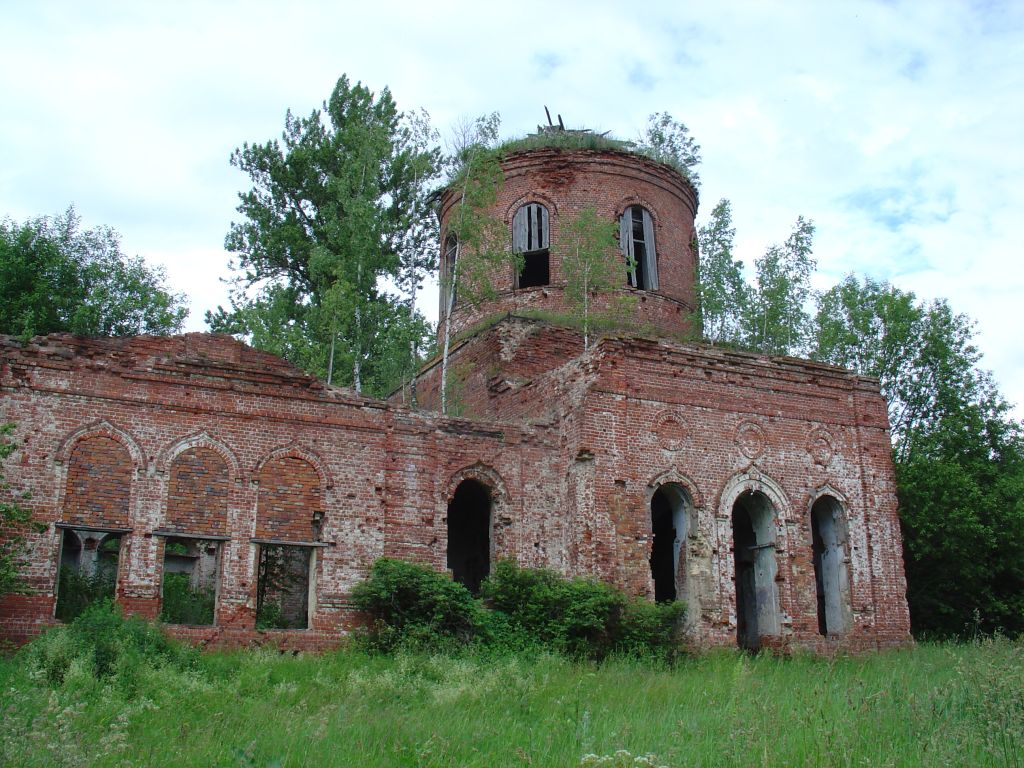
<point x="897" y="127"/>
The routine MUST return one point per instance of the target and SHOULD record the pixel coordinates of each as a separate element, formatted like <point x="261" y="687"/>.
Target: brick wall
<point x="201" y="433"/>
<point x="566" y="182"/>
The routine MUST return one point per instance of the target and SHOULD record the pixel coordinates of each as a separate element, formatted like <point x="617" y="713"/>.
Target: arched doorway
<point x="757" y="612"/>
<point x="828" y="547"/>
<point x="469" y="534"/>
<point x="669" y="519"/>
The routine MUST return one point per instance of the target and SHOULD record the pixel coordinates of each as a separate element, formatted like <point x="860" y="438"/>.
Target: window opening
<point x="88" y="570"/>
<point x="189" y="588"/>
<point x="531" y="238"/>
<point x="469" y="534"/>
<point x="669" y="528"/>
<point x="283" y="586"/>
<point x="829" y="566"/>
<point x="755" y="569"/>
<point x="451" y="247"/>
<point x="636" y="239"/>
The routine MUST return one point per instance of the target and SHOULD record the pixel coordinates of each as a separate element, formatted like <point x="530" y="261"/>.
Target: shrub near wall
<point x="522" y="608"/>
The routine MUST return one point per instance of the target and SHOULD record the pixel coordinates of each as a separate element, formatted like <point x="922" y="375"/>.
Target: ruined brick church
<point x="235" y="498"/>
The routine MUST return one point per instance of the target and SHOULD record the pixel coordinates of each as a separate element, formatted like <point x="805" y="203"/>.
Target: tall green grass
<point x="932" y="705"/>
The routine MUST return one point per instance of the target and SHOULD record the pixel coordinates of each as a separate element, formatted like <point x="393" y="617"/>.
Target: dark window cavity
<point x="530" y="237"/>
<point x="669" y="506"/>
<point x="469" y="534"/>
<point x="636" y="239"/>
<point x="283" y="586"/>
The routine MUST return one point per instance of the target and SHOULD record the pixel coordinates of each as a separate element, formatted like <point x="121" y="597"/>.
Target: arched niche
<point x="470" y="529"/>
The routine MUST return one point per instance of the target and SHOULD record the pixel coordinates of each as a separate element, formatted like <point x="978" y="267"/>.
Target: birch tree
<point x="723" y="293"/>
<point x="478" y="241"/>
<point x="592" y="263"/>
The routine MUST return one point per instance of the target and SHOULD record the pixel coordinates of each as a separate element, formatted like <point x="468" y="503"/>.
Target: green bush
<point x="580" y="617"/>
<point x="104" y="642"/>
<point x="184" y="605"/>
<point x="411" y="605"/>
<point x="524" y="609"/>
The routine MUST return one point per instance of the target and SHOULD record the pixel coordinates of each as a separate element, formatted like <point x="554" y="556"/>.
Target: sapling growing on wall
<point x="592" y="263"/>
<point x="479" y="241"/>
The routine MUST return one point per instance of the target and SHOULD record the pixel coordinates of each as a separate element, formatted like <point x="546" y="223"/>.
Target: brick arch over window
<point x="97" y="491"/>
<point x="197" y="493"/>
<point x="290" y="504"/>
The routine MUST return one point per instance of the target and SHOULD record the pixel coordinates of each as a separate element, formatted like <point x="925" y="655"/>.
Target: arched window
<point x="636" y="239"/>
<point x="757" y="611"/>
<point x="828" y="547"/>
<point x="530" y="237"/>
<point x="669" y="506"/>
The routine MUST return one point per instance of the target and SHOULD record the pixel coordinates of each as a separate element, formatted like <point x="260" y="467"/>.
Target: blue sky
<point x="895" y="126"/>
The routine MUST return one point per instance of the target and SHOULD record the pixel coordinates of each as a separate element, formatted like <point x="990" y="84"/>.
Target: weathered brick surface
<point x="566" y="182"/>
<point x="199" y="434"/>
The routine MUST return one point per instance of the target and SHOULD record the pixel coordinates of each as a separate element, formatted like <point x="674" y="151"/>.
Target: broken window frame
<point x="76" y="530"/>
<point x="169" y="536"/>
<point x="531" y="237"/>
<point x="262" y="546"/>
<point x="636" y="236"/>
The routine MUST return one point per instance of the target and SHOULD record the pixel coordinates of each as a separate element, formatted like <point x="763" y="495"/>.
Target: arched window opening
<point x="636" y="239"/>
<point x="531" y="238"/>
<point x="757" y="612"/>
<point x="469" y="534"/>
<point x="830" y="578"/>
<point x="669" y="523"/>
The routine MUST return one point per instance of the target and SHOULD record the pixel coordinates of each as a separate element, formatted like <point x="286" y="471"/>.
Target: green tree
<point x="592" y="263"/>
<point x="777" y="321"/>
<point x="323" y="230"/>
<point x="959" y="456"/>
<point x="55" y="277"/>
<point x="669" y="141"/>
<point x="723" y="293"/>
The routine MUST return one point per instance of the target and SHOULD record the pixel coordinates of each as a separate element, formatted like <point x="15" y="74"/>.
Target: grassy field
<point x="933" y="705"/>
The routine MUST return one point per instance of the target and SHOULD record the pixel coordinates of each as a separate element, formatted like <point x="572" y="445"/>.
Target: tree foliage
<point x="959" y="456"/>
<point x="776" y="320"/>
<point x="56" y="277"/>
<point x="326" y="223"/>
<point x="722" y="291"/>
<point x="669" y="141"/>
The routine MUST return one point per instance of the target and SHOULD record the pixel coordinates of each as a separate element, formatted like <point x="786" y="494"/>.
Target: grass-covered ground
<point x="932" y="705"/>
